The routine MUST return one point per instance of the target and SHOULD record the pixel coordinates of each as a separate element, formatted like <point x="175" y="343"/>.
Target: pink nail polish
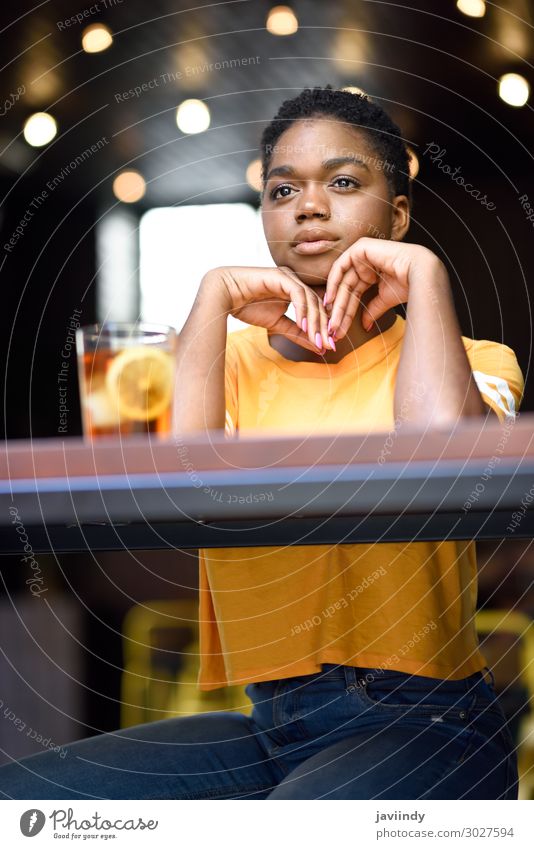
<point x="332" y="343"/>
<point x="319" y="341"/>
<point x="304" y="325"/>
<point x="329" y="325"/>
<point x="324" y="300"/>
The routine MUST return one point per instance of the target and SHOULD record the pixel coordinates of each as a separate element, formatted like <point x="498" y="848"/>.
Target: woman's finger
<point x="335" y="275"/>
<point x="365" y="271"/>
<point x="315" y="323"/>
<point x="291" y="285"/>
<point x="346" y="302"/>
<point x="286" y="327"/>
<point x="326" y="342"/>
<point x="376" y="307"/>
<point x="311" y="312"/>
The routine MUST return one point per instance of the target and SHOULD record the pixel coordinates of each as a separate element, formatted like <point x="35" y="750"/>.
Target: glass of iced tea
<point x="126" y="374"/>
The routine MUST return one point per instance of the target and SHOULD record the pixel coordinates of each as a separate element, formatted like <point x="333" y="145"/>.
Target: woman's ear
<point x="400" y="211"/>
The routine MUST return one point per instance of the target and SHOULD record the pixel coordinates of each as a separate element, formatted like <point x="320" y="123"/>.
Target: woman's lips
<point x="320" y="246"/>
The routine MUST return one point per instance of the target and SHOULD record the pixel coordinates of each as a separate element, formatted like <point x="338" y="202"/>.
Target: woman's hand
<point x="260" y="296"/>
<point x="394" y="266"/>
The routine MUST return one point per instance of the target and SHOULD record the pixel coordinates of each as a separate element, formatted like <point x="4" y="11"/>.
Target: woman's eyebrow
<point x="327" y="165"/>
<point x="344" y="160"/>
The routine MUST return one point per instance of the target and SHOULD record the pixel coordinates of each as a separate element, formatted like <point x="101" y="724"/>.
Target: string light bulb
<point x="472" y="8"/>
<point x="282" y="20"/>
<point x="193" y="116"/>
<point x="129" y="186"/>
<point x="96" y="38"/>
<point x="39" y="129"/>
<point x="514" y="89"/>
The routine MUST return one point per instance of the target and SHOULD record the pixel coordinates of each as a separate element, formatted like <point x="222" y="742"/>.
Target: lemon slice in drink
<point x="140" y="380"/>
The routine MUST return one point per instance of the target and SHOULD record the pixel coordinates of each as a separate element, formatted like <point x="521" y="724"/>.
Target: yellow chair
<point x="161" y="664"/>
<point x="510" y="665"/>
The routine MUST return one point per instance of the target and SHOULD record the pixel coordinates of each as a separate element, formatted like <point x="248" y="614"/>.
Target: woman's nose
<point x="312" y="206"/>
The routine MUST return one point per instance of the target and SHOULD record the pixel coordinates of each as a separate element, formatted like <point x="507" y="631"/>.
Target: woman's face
<point x="325" y="188"/>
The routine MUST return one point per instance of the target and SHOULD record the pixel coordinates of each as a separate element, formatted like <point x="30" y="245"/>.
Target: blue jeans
<point x="342" y="733"/>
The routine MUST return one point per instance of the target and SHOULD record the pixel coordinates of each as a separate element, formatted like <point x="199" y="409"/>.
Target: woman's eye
<point x="350" y="182"/>
<point x="281" y="191"/>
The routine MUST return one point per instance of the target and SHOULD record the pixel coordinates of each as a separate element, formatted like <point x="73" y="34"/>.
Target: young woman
<point x="361" y="661"/>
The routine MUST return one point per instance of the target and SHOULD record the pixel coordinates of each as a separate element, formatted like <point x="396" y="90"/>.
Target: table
<point x="67" y="495"/>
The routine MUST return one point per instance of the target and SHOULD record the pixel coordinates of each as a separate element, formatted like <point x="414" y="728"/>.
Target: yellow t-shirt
<point x="276" y="612"/>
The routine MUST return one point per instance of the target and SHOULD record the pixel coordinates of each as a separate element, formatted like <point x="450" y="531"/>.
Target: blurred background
<point x="129" y="140"/>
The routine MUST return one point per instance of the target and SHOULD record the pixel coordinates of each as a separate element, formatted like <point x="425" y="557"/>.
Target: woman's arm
<point x="199" y="402"/>
<point x="258" y="296"/>
<point x="434" y="385"/>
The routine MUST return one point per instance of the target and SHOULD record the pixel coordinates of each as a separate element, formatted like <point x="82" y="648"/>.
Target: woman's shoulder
<point x="487" y="345"/>
<point x="490" y="352"/>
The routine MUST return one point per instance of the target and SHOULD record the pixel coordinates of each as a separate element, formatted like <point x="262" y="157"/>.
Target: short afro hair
<point x="348" y="108"/>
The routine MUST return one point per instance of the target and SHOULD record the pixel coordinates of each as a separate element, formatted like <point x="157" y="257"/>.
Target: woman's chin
<point x="315" y="274"/>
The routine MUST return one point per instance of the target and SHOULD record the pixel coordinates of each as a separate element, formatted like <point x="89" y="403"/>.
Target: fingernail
<point x="319" y="341"/>
<point x="332" y="343"/>
<point x="329" y="325"/>
<point x="324" y="299"/>
<point x="304" y="325"/>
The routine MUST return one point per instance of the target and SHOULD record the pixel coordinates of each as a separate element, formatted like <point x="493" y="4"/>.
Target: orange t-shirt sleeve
<point x="498" y="377"/>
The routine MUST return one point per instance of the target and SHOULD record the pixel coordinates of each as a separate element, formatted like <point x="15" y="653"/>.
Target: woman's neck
<point x="356" y="336"/>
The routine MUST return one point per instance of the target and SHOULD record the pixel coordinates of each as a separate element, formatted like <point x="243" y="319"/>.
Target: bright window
<point x="178" y="245"/>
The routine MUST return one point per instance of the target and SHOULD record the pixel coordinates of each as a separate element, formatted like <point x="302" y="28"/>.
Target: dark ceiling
<point x="432" y="67"/>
